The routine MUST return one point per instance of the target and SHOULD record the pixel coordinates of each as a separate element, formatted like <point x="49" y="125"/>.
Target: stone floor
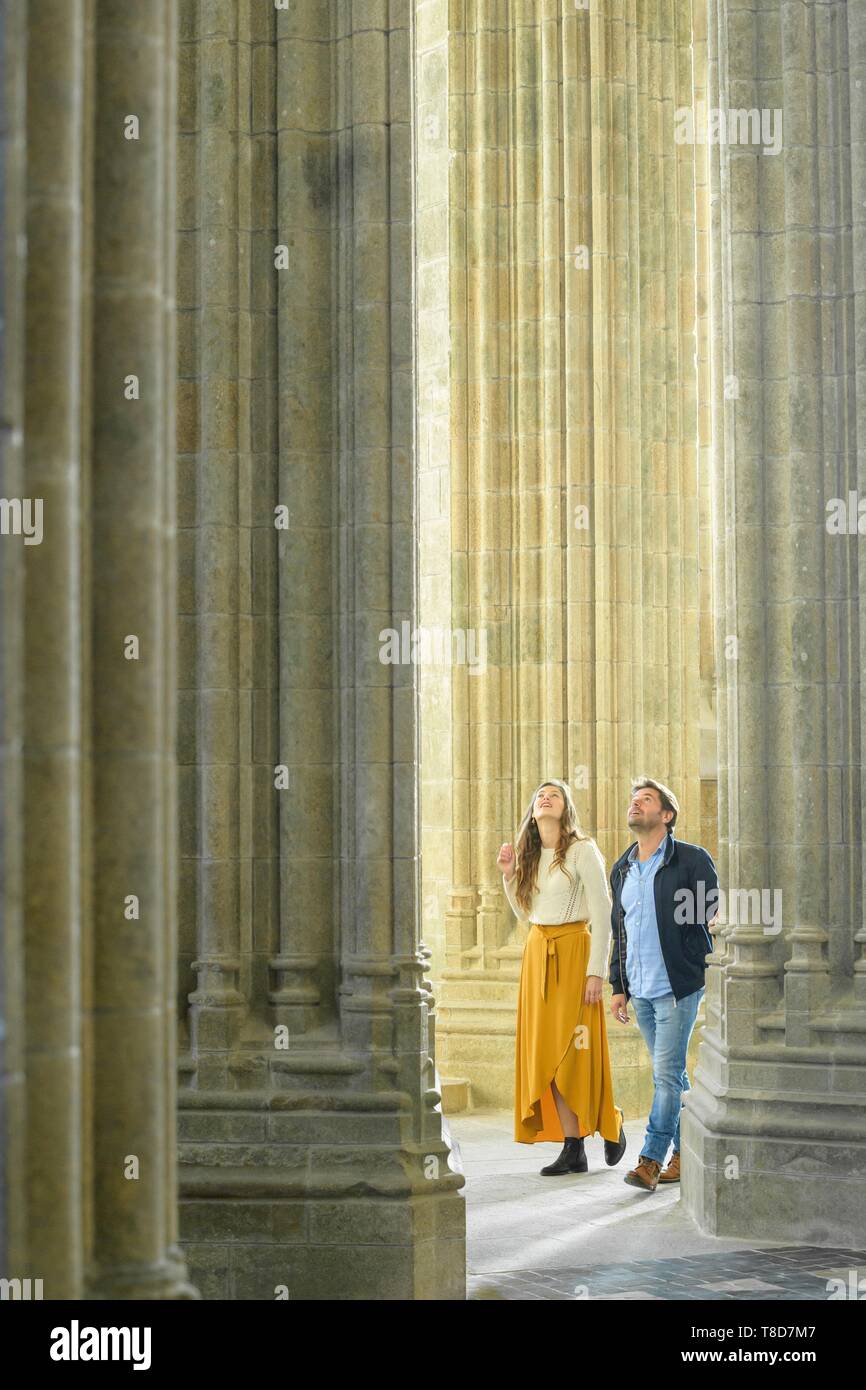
<point x="591" y="1236"/>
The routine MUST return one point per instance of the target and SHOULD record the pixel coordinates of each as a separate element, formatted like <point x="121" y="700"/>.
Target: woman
<point x="556" y="881"/>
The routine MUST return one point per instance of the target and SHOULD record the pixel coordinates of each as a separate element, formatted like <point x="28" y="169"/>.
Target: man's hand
<point x="507" y="861"/>
<point x="593" y="989"/>
<point x="619" y="1008"/>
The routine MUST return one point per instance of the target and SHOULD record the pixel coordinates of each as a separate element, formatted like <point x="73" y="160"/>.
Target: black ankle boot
<point x="571" y="1160"/>
<point x="614" y="1152"/>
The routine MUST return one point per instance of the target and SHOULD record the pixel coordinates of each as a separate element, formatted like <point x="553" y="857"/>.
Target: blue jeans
<point x="666" y="1025"/>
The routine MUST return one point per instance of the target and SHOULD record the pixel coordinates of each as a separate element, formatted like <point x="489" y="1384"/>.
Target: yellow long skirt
<point x="560" y="1038"/>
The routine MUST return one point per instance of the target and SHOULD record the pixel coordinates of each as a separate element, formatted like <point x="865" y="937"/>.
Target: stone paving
<point x="591" y="1236"/>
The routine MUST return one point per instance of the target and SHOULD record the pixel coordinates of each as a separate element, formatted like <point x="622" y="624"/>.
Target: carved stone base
<point x="772" y="1150"/>
<point x="304" y="1194"/>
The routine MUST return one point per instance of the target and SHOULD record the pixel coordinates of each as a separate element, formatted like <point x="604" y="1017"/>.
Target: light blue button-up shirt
<point x="645" y="966"/>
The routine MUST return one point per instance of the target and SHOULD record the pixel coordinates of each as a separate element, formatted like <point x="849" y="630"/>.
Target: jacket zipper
<point x="619" y="930"/>
<point x="655" y="880"/>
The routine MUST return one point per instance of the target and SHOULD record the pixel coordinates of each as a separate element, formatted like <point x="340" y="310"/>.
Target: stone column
<point x="310" y="189"/>
<point x="572" y="266"/>
<point x="13" y="1093"/>
<point x="774" y="1126"/>
<point x="89" y="704"/>
<point x="708" y="719"/>
<point x="315" y="1164"/>
<point x="132" y="716"/>
<point x="56" y="378"/>
<point x="213" y="330"/>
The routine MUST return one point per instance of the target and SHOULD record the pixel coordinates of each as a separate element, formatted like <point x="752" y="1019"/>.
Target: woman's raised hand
<point x="507" y="860"/>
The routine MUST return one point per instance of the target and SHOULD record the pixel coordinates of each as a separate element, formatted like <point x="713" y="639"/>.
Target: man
<point x="664" y="890"/>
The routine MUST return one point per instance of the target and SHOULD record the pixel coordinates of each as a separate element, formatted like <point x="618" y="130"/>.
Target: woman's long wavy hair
<point x="527" y="846"/>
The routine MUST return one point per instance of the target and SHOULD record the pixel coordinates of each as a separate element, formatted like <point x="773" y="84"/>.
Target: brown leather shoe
<point x="645" y="1175"/>
<point x="672" y="1172"/>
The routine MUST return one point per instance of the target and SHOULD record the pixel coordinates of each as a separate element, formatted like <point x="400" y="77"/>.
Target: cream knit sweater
<point x="586" y="896"/>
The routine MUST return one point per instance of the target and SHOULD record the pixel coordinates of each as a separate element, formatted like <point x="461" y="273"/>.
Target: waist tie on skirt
<point x="552" y="935"/>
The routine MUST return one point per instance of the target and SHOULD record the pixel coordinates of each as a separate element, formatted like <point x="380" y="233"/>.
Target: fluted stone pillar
<point x="221" y="343"/>
<point x="13" y="1090"/>
<point x="708" y="712"/>
<point x="132" y="732"/>
<point x="313" y="1160"/>
<point x="311" y="329"/>
<point x="55" y="378"/>
<point x="559" y="462"/>
<point x="89" y="1139"/>
<point x="774" y="1133"/>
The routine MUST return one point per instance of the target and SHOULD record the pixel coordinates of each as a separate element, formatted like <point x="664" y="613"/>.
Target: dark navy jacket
<point x="686" y="898"/>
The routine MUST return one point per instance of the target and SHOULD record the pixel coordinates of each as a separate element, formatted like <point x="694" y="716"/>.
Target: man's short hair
<point x="666" y="796"/>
